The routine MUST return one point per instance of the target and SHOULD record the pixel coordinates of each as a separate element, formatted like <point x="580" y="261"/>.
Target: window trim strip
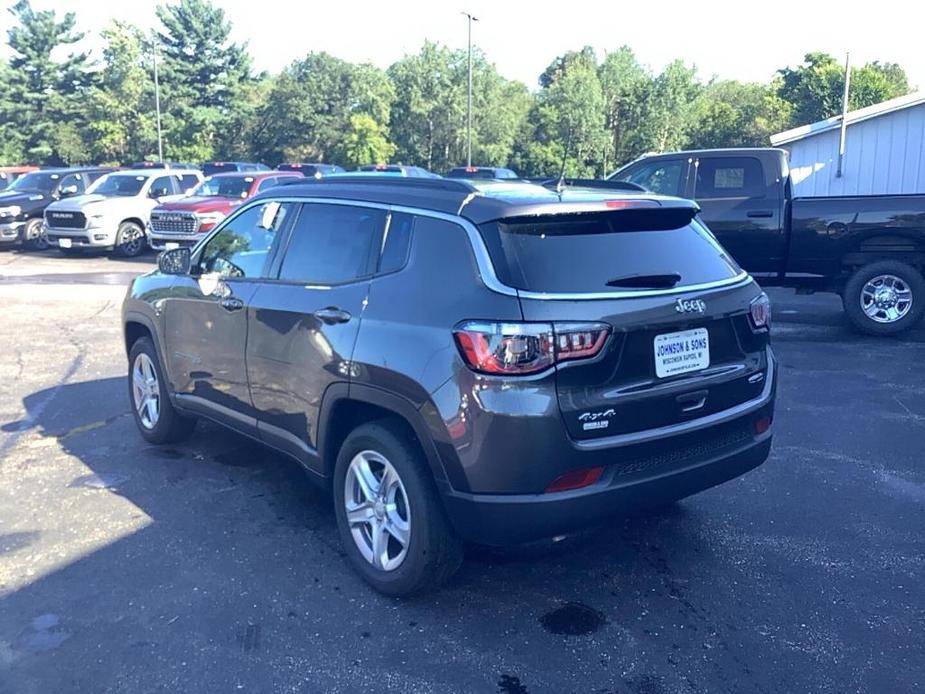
<point x="482" y="258"/>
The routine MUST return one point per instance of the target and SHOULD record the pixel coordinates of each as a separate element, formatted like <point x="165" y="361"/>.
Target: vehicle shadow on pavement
<point x="215" y="565"/>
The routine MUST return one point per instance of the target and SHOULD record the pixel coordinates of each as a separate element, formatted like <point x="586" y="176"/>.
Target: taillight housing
<point x="760" y="312"/>
<point x="520" y="349"/>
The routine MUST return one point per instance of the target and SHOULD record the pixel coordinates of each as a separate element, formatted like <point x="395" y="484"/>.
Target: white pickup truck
<point x="114" y="212"/>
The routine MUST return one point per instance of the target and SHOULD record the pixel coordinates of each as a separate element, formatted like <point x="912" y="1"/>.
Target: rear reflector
<point x="575" y="479"/>
<point x="762" y="425"/>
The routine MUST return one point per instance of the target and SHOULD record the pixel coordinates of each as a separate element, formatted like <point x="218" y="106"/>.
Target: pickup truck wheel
<point x="130" y="240"/>
<point x="885" y="298"/>
<point x="33" y="236"/>
<point x="155" y="416"/>
<point x="389" y="515"/>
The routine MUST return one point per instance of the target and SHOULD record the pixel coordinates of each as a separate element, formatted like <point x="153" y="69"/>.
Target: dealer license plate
<point x="682" y="352"/>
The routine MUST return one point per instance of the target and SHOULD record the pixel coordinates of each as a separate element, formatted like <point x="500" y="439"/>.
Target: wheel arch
<point x="346" y="406"/>
<point x="134" y="220"/>
<point x="902" y="245"/>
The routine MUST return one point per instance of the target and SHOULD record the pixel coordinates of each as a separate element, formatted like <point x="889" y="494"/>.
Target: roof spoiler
<point x="595" y="183"/>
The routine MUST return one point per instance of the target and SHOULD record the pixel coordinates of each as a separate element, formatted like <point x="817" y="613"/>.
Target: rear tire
<point x="33" y="237"/>
<point x="130" y="240"/>
<point x="885" y="298"/>
<point x="433" y="551"/>
<point x="155" y="416"/>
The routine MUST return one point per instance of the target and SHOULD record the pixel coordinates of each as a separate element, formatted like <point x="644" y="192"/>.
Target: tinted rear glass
<point x="209" y="169"/>
<point x="476" y="173"/>
<point x="583" y="252"/>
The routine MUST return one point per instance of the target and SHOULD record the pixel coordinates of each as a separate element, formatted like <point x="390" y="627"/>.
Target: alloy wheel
<point x="377" y="510"/>
<point x="146" y="392"/>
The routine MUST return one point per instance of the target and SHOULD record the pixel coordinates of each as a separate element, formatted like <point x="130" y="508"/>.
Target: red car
<point x="184" y="222"/>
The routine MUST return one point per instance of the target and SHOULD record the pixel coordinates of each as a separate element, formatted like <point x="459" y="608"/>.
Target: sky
<point x="730" y="40"/>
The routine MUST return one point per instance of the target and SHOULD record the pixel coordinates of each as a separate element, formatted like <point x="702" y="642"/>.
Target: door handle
<point x="232" y="303"/>
<point x="332" y="315"/>
<point x="760" y="214"/>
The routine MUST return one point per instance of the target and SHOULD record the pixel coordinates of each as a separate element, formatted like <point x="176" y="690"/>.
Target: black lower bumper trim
<point x="501" y="519"/>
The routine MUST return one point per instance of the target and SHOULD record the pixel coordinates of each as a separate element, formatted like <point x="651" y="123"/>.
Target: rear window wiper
<point x="663" y="281"/>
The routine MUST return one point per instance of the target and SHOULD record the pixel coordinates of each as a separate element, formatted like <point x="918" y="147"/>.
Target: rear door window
<point x="729" y="177"/>
<point x="664" y="177"/>
<point x="606" y="252"/>
<point x="333" y="244"/>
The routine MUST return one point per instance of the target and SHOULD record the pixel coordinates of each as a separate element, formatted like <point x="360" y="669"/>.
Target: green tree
<point x="12" y="136"/>
<point x="310" y="104"/>
<point x="566" y="125"/>
<point x="728" y="113"/>
<point x="200" y="63"/>
<point x="816" y="88"/>
<point x="627" y="87"/>
<point x="364" y="142"/>
<point x="203" y="74"/>
<point x="670" y="107"/>
<point x="47" y="92"/>
<point x="121" y="105"/>
<point x="429" y="114"/>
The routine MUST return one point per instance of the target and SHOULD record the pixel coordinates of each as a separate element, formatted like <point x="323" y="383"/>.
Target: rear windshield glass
<point x="209" y="169"/>
<point x="600" y="252"/>
<point x="225" y="187"/>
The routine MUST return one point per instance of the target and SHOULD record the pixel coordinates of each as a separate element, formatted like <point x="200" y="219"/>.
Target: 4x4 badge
<point x="690" y="306"/>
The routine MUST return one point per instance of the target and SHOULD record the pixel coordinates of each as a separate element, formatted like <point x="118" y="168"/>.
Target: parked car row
<point x="156" y="204"/>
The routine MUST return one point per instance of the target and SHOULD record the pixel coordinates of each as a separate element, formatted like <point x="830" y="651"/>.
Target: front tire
<point x="33" y="236"/>
<point x="389" y="515"/>
<point x="130" y="240"/>
<point x="885" y="298"/>
<point x="155" y="416"/>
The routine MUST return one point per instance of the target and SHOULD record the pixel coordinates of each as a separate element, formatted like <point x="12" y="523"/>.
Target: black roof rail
<point x="596" y="183"/>
<point x="379" y="181"/>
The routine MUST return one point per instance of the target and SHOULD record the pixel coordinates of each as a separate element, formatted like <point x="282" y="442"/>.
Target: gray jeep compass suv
<point x="485" y="361"/>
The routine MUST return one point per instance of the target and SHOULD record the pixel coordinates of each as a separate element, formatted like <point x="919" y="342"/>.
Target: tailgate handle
<point x="760" y="214"/>
<point x="690" y="402"/>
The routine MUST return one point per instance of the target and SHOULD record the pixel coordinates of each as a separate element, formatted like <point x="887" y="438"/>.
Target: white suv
<point x="113" y="213"/>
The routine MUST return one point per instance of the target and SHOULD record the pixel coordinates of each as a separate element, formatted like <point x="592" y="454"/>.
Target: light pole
<point x="157" y="104"/>
<point x="470" y="19"/>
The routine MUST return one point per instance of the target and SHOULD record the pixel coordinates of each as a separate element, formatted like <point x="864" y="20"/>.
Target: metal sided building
<point x="884" y="151"/>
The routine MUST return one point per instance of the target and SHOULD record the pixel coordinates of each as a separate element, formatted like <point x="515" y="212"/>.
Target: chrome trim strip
<point x="741" y="279"/>
<point x="686" y="427"/>
<point x="482" y="258"/>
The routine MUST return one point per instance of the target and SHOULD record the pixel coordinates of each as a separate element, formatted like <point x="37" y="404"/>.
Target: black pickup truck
<point x="870" y="249"/>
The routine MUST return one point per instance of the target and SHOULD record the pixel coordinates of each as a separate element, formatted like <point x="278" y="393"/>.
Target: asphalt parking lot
<point x="215" y="565"/>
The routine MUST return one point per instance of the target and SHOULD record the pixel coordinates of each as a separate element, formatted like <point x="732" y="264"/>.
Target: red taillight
<point x="760" y="312"/>
<point x="517" y="349"/>
<point x="575" y="479"/>
<point x="762" y="425"/>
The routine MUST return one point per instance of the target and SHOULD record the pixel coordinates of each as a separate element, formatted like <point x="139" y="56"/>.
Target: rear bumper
<point x="641" y="470"/>
<point x="502" y="519"/>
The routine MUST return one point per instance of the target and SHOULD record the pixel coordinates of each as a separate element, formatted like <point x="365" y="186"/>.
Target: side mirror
<point x="176" y="261"/>
<point x="67" y="191"/>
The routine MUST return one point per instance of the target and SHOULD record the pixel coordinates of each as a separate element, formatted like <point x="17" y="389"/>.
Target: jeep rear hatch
<point x="680" y="344"/>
